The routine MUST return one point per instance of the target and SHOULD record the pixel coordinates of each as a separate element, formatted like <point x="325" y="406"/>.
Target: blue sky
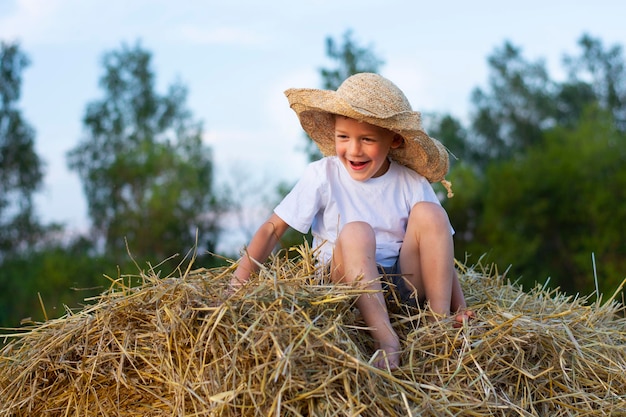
<point x="237" y="58"/>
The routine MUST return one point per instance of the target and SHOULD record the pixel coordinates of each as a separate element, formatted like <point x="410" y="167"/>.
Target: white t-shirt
<point x="326" y="198"/>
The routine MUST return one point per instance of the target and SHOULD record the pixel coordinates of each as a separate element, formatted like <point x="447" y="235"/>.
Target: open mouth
<point x="358" y="165"/>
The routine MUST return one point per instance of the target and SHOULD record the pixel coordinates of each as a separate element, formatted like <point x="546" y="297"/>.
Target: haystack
<point x="289" y="344"/>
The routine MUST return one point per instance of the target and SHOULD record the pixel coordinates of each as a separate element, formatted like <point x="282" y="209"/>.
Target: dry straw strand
<point x="290" y="344"/>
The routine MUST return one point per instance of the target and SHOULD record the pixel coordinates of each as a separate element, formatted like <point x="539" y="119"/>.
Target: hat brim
<point x="316" y="109"/>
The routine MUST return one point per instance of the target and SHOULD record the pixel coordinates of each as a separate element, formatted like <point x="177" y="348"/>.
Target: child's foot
<point x="387" y="357"/>
<point x="462" y="317"/>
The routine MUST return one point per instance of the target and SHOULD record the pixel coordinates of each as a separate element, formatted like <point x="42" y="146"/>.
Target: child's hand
<point x="234" y="285"/>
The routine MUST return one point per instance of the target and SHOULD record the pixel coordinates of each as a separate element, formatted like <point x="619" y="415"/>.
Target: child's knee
<point x="431" y="214"/>
<point x="357" y="230"/>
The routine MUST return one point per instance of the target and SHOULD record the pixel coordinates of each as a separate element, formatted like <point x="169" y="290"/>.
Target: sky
<point x="237" y="57"/>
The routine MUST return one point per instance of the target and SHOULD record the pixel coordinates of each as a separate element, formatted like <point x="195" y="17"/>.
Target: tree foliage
<point x="21" y="169"/>
<point x="542" y="185"/>
<point x="45" y="282"/>
<point x="511" y="116"/>
<point x="349" y="58"/>
<point x="146" y="174"/>
<point x="450" y="131"/>
<point x="548" y="211"/>
<point x="600" y="76"/>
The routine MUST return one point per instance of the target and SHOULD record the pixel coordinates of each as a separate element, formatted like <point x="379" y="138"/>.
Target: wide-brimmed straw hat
<point x="370" y="98"/>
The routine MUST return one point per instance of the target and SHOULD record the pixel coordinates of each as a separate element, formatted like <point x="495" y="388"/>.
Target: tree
<point x="512" y="115"/>
<point x="465" y="208"/>
<point x="548" y="211"/>
<point x="350" y="59"/>
<point x="522" y="101"/>
<point x="600" y="76"/>
<point x="146" y="174"/>
<point x="44" y="283"/>
<point x="450" y="131"/>
<point x="21" y="169"/>
<point x="539" y="186"/>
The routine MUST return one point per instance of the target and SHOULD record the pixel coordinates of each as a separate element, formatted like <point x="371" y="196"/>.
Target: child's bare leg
<point x="354" y="258"/>
<point x="458" y="304"/>
<point x="427" y="259"/>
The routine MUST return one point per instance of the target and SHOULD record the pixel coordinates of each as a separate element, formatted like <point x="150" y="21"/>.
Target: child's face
<point x="362" y="148"/>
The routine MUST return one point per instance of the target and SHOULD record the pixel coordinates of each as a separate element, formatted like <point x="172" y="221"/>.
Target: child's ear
<point x="397" y="141"/>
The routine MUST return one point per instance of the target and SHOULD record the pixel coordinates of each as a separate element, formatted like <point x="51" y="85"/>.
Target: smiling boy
<point x="369" y="204"/>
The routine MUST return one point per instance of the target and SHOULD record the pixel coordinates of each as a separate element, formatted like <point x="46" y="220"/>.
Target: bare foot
<point x="462" y="317"/>
<point x="387" y="357"/>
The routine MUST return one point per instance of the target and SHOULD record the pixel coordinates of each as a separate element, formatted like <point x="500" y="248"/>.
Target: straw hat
<point x="370" y="98"/>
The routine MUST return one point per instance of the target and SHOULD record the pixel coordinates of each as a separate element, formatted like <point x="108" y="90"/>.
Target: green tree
<point x="465" y="208"/>
<point x="21" y="169"/>
<point x="522" y="101"/>
<point x="511" y="116"/>
<point x="542" y="158"/>
<point x="548" y="211"/>
<point x="451" y="132"/>
<point x="146" y="174"/>
<point x="44" y="283"/>
<point x="349" y="58"/>
<point x="599" y="74"/>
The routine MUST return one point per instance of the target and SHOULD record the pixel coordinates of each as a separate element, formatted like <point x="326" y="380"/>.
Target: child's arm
<point x="259" y="249"/>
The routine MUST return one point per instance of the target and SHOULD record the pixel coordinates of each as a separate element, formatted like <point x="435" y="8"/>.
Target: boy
<point x="369" y="203"/>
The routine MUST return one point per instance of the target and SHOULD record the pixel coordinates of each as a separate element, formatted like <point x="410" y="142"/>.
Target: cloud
<point x="26" y="19"/>
<point x="221" y="35"/>
<point x="276" y="108"/>
<point x="258" y="150"/>
<point x="63" y="22"/>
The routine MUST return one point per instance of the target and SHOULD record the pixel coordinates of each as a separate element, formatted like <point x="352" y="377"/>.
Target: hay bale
<point x="290" y="345"/>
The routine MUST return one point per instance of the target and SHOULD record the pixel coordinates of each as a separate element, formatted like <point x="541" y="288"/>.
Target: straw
<point x="291" y="344"/>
